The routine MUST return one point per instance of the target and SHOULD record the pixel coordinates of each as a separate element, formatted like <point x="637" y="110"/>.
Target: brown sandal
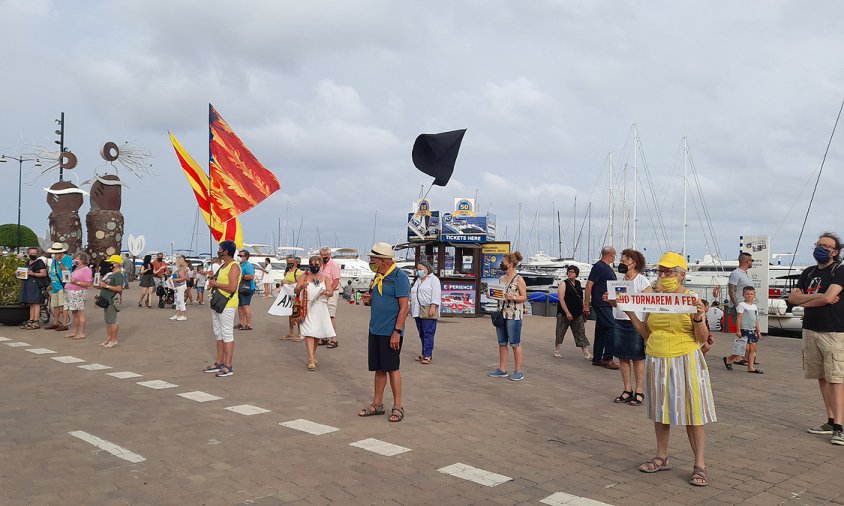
<point x="653" y="466"/>
<point x="699" y="478"/>
<point x="372" y="410"/>
<point x="426" y="360"/>
<point x="397" y="413"/>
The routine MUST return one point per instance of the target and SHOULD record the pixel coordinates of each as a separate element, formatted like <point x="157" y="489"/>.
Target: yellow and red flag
<point x="239" y="181"/>
<point x="221" y="231"/>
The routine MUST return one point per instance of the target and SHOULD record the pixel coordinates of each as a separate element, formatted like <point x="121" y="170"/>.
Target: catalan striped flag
<point x="221" y="231"/>
<point x="239" y="181"/>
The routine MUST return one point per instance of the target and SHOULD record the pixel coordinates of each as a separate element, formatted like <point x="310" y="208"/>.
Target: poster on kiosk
<point x="759" y="247"/>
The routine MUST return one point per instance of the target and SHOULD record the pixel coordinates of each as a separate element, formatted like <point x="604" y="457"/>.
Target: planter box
<point x="14" y="314"/>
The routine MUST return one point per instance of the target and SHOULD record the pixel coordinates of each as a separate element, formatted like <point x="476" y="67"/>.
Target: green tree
<point x="9" y="236"/>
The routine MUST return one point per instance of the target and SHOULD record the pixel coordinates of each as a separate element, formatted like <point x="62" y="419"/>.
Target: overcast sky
<point x="331" y="95"/>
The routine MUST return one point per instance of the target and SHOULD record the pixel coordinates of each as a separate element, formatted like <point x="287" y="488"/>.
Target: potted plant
<point x="12" y="312"/>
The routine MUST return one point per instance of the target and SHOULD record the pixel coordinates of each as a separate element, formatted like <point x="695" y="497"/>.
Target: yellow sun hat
<point x="672" y="260"/>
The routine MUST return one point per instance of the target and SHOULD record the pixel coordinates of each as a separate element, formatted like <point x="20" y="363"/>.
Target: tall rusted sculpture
<point x="104" y="221"/>
<point x="65" y="200"/>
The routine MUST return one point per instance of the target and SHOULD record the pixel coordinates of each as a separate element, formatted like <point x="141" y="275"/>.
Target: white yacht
<point x="540" y="267"/>
<point x="352" y="267"/>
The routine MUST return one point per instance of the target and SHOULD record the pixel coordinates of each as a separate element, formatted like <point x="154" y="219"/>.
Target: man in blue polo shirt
<point x="388" y="297"/>
<point x="596" y="287"/>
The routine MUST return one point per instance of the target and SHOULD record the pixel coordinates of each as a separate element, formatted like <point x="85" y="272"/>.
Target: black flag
<point x="435" y="154"/>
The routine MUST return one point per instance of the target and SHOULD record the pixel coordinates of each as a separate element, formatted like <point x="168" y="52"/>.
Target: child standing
<point x="747" y="327"/>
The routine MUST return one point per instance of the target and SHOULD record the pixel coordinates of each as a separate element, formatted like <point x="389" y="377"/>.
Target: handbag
<point x="219" y="301"/>
<point x="300" y="307"/>
<point x="498" y="319"/>
<point x="102" y="302"/>
<point x="424" y="311"/>
<point x="245" y="287"/>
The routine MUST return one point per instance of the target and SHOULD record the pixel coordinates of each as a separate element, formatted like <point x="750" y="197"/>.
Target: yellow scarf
<point x="379" y="279"/>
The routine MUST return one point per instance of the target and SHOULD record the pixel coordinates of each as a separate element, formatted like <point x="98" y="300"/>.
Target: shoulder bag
<point x="245" y="287"/>
<point x="425" y="311"/>
<point x="498" y="319"/>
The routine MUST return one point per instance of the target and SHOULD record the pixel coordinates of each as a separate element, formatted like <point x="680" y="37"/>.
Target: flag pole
<point x="210" y="207"/>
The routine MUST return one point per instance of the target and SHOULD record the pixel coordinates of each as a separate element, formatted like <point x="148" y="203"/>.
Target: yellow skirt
<point x="677" y="390"/>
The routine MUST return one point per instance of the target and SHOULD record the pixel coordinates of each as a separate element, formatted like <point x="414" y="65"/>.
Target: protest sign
<point x="616" y="287"/>
<point x="22" y="273"/>
<point x="675" y="303"/>
<point x="283" y="305"/>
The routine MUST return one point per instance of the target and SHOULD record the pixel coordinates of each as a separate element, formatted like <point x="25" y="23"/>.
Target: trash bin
<point x="538" y="303"/>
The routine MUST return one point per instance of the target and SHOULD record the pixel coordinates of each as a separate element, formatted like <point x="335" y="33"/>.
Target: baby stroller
<point x="166" y="296"/>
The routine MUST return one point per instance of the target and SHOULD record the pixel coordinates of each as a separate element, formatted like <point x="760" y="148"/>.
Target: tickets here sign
<point x="676" y="303"/>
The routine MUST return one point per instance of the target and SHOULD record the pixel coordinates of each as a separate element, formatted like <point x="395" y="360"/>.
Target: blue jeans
<point x="510" y="333"/>
<point x="427" y="328"/>
<point x="604" y="334"/>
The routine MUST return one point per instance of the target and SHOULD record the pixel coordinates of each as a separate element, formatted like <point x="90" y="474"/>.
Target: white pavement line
<point x="94" y="367"/>
<point x="124" y="374"/>
<point x="200" y="396"/>
<point x="247" y="409"/>
<point x="67" y="359"/>
<point x="156" y="384"/>
<point x="40" y="351"/>
<point x="380" y="447"/>
<point x="2" y="339"/>
<point x="102" y="444"/>
<point x="561" y="499"/>
<point x="308" y="426"/>
<point x="14" y="344"/>
<point x="473" y="474"/>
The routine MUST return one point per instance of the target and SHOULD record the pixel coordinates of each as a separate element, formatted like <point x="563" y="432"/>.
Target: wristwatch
<point x="397" y="330"/>
<point x="697" y="321"/>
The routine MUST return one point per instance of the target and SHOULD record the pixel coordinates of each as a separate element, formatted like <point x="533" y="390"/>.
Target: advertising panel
<point x="458" y="298"/>
<point x="759" y="246"/>
<point x="464" y="229"/>
<point x="464" y="207"/>
<point x="423" y="226"/>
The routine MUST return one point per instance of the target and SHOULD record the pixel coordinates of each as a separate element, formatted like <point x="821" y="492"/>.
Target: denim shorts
<point x="510" y="333"/>
<point x="751" y="335"/>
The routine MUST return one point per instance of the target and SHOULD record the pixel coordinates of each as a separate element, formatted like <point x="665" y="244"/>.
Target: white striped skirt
<point x="677" y="390"/>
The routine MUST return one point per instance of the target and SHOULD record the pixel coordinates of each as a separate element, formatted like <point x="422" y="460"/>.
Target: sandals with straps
<point x="396" y="414"/>
<point x="699" y="478"/>
<point x="372" y="410"/>
<point x="624" y="397"/>
<point x="655" y="466"/>
<point x="637" y="399"/>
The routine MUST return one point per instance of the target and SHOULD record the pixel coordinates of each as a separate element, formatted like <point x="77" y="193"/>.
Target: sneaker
<point x="517" y="376"/>
<point x="837" y="438"/>
<point x="181" y="318"/>
<point x="228" y="372"/>
<point x="498" y="373"/>
<point x="825" y="429"/>
<point x="174" y="317"/>
<point x="212" y="368"/>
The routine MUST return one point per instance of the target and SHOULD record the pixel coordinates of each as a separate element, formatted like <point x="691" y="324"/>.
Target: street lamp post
<point x="20" y="160"/>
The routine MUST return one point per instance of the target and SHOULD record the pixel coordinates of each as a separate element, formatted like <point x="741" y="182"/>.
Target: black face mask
<point x="314" y="268"/>
<point x="289" y="266"/>
<point x="622" y="268"/>
<point x="33" y="257"/>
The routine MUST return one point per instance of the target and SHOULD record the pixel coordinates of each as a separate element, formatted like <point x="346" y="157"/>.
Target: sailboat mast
<point x="635" y="181"/>
<point x="612" y="203"/>
<point x="685" y="192"/>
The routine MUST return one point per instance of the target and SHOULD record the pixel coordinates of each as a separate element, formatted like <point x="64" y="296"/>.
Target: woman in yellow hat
<point x="110" y="286"/>
<point x="677" y="389"/>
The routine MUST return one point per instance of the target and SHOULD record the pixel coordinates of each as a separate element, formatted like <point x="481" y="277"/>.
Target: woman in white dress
<point x="317" y="322"/>
<point x="268" y="278"/>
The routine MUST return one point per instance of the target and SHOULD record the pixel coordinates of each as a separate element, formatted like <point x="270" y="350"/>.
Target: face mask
<point x="325" y="259"/>
<point x="314" y="268"/>
<point x="373" y="267"/>
<point x="502" y="268"/>
<point x="821" y="255"/>
<point x="33" y="257"/>
<point x="622" y="268"/>
<point x="289" y="266"/>
<point x="420" y="273"/>
<point x="669" y="284"/>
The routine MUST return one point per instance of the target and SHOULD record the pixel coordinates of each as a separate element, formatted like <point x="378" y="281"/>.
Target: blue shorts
<point x="244" y="300"/>
<point x="751" y="335"/>
<point x="510" y="333"/>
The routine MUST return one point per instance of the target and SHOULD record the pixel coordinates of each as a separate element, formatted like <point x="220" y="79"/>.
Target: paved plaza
<point x="141" y="424"/>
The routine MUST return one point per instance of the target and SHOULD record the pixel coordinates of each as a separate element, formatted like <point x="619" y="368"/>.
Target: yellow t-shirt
<point x="672" y="335"/>
<point x="223" y="279"/>
<point x="292" y="275"/>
